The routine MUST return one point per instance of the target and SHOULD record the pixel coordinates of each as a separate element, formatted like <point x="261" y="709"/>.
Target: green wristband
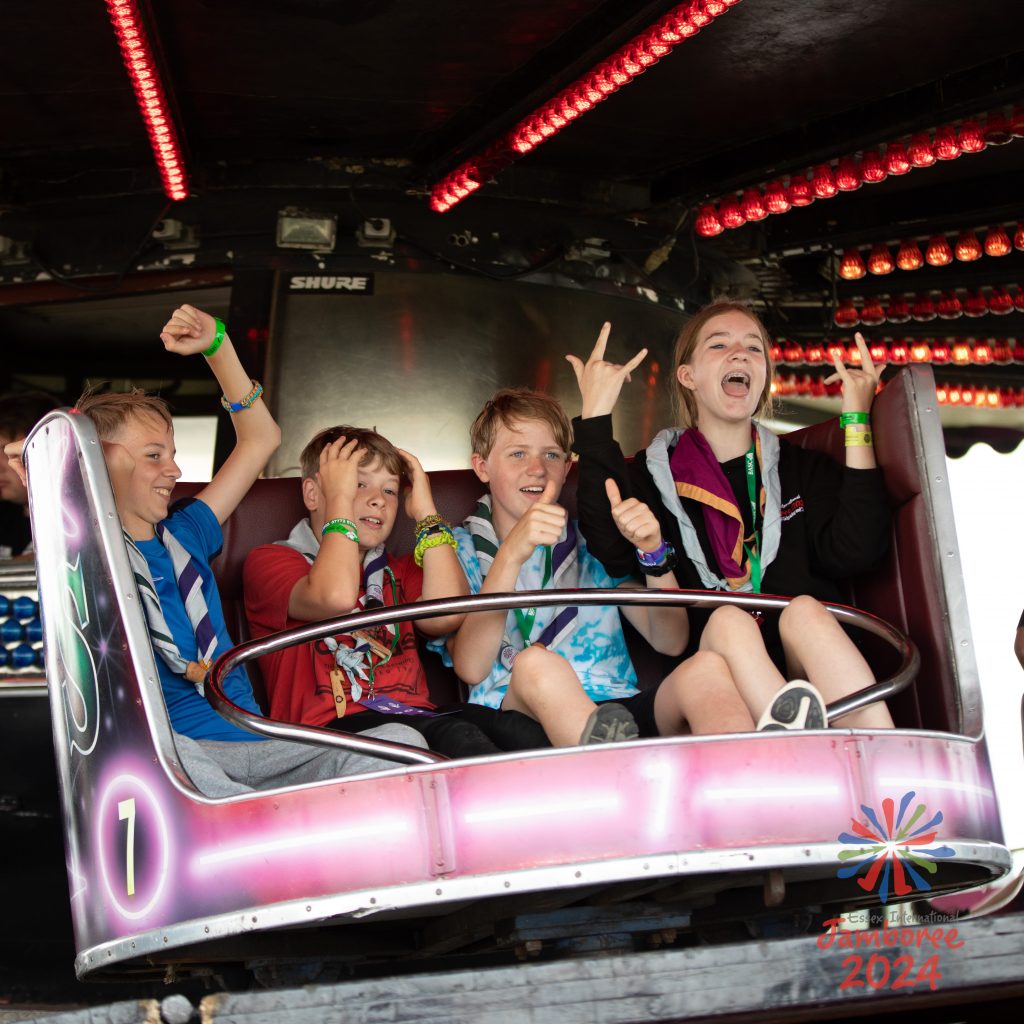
<point x="846" y="418"/>
<point x="218" y="337"/>
<point x="343" y="526"/>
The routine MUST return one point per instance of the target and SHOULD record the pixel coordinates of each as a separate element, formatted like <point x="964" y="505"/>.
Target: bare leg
<point x="818" y="650"/>
<point x="545" y="687"/>
<point x="701" y="693"/>
<point x="733" y="634"/>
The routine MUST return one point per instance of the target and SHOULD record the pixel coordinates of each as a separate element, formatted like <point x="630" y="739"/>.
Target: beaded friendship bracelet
<point x="218" y="337"/>
<point x="432" y="520"/>
<point x="343" y="526"/>
<point x="245" y="403"/>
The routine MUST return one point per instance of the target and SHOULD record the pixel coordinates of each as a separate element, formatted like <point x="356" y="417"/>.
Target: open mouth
<point x="164" y="492"/>
<point x="736" y="384"/>
<point x="372" y="521"/>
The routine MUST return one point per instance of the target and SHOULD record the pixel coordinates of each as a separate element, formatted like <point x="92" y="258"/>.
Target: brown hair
<point x="20" y="411"/>
<point x="682" y="398"/>
<point x="514" y="405"/>
<point x="373" y="444"/>
<point x="110" y="412"/>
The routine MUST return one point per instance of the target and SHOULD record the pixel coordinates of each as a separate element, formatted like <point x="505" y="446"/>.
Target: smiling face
<point x="727" y="370"/>
<point x="140" y="461"/>
<point x="523" y="458"/>
<point x="374" y="509"/>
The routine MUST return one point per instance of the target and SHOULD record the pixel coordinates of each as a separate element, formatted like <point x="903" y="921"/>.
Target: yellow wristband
<point x="859" y="438"/>
<point x="433" y="540"/>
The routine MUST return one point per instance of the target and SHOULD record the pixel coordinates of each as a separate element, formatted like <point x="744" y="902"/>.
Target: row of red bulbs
<point x="849" y="172"/>
<point x="949" y="306"/>
<point x="964" y="395"/>
<point x="959" y="352"/>
<point x="939" y="253"/>
<point x="149" y="93"/>
<point x="598" y="84"/>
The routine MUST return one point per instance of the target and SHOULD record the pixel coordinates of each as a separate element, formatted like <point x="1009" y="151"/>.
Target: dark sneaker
<point x="609" y="723"/>
<point x="798" y="705"/>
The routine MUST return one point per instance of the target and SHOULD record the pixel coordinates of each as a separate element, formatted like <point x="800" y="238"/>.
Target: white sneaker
<point x="798" y="705"/>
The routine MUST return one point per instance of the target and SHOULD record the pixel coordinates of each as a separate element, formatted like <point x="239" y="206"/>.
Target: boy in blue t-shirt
<point x="170" y="555"/>
<point x="568" y="667"/>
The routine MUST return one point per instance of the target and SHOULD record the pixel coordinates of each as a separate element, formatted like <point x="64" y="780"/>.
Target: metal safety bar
<point x="910" y="659"/>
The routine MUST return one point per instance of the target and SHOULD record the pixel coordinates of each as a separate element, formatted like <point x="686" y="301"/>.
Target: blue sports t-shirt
<point x="196" y="528"/>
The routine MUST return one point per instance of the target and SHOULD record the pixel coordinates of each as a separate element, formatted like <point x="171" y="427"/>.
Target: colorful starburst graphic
<point x="889" y="854"/>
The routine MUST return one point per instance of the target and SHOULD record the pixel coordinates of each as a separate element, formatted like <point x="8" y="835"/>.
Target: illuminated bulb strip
<point x="846" y="173"/>
<point x="949" y="306"/>
<point x="937" y="351"/>
<point x="584" y="94"/>
<point x="140" y="64"/>
<point x="961" y="395"/>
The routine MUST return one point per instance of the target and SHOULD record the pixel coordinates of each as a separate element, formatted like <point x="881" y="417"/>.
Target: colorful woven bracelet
<point x="655" y="557"/>
<point x="245" y="403"/>
<point x="859" y="439"/>
<point x="433" y="540"/>
<point x="432" y="520"/>
<point x="343" y="526"/>
<point x="846" y="418"/>
<point x="218" y="337"/>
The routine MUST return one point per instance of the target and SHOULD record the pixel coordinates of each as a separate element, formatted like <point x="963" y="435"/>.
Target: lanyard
<point x="394" y="640"/>
<point x="754" y="550"/>
<point x="525" y="620"/>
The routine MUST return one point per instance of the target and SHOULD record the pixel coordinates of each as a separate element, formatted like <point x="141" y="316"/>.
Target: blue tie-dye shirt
<point x="596" y="648"/>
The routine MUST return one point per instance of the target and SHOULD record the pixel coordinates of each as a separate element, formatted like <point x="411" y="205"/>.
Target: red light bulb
<point x="896" y="159"/>
<point x="1017" y="122"/>
<point x="939" y="254"/>
<point x="946" y="145"/>
<point x="1018" y="353"/>
<point x="716" y="7"/>
<point x="848" y="175"/>
<point x="818" y="387"/>
<point x="949" y="307"/>
<point x="968" y="248"/>
<point x="880" y="261"/>
<point x="941" y="394"/>
<point x="792" y="353"/>
<point x="879" y="352"/>
<point x="708" y="224"/>
<point x="730" y="213"/>
<point x="835" y="350"/>
<point x="822" y="182"/>
<point x="898" y="310"/>
<point x="941" y="351"/>
<point x="775" y="353"/>
<point x="923" y="308"/>
<point x="961" y="353"/>
<point x="847" y="315"/>
<point x="975" y="304"/>
<point x="899" y="353"/>
<point x="997" y="130"/>
<point x="872" y="167"/>
<point x="1001" y="351"/>
<point x="997" y="242"/>
<point x="909" y="256"/>
<point x="698" y="14"/>
<point x="753" y="205"/>
<point x="1018" y="237"/>
<point x="851" y="266"/>
<point x="967" y="395"/>
<point x="800" y="192"/>
<point x="982" y="354"/>
<point x="921" y="152"/>
<point x="1000" y="301"/>
<point x="872" y="314"/>
<point x="1018" y="299"/>
<point x="814" y="353"/>
<point x="971" y="137"/>
<point x="775" y="198"/>
<point x="920" y="352"/>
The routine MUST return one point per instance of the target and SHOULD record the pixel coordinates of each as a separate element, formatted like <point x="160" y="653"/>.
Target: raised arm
<point x="442" y="572"/>
<point x="601" y="382"/>
<point x="859" y="387"/>
<point x="476" y="644"/>
<point x="666" y="629"/>
<point x="188" y="332"/>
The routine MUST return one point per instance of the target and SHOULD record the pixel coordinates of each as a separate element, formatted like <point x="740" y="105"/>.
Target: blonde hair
<point x="682" y="398"/>
<point x="373" y="444"/>
<point x="110" y="412"/>
<point x="515" y="405"/>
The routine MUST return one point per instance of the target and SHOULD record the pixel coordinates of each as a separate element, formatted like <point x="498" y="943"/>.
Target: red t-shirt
<point x="298" y="678"/>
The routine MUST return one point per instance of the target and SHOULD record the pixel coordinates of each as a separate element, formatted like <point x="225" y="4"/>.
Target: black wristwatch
<point x="665" y="564"/>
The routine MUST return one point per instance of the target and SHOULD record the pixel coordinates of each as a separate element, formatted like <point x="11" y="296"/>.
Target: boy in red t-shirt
<point x="335" y="562"/>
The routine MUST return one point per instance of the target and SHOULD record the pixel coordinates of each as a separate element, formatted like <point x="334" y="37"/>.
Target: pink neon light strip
<point x="586" y="92"/>
<point x="149" y="91"/>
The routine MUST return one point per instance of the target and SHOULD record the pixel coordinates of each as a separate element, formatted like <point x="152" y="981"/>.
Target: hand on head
<point x="419" y="500"/>
<point x="600" y="381"/>
<point x="338" y="475"/>
<point x="859" y="383"/>
<point x="189" y="331"/>
<point x="541" y="524"/>
<point x="635" y="520"/>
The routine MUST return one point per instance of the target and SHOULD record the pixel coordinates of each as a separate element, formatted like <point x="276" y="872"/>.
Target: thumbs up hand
<point x="541" y="524"/>
<point x="635" y="520"/>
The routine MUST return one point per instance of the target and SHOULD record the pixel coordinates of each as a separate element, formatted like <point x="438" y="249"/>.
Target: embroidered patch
<point x="791" y="508"/>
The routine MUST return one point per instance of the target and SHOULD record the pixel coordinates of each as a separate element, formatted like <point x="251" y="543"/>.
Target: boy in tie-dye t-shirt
<point x="567" y="667"/>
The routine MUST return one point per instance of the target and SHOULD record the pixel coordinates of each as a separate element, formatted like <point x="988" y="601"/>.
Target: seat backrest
<point x="919" y="587"/>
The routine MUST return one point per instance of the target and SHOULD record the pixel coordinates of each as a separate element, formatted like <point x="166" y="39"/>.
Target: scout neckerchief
<point x="190" y="586"/>
<point x="559" y="570"/>
<point x="357" y="661"/>
<point x="698" y="475"/>
<point x="767" y="454"/>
